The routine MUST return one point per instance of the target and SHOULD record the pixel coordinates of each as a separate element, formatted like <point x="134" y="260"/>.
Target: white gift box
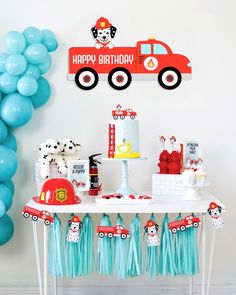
<point x="167" y="185"/>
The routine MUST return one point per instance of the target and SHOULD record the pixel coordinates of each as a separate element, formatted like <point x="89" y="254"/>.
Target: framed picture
<point x="191" y="150"/>
<point x="78" y="174"/>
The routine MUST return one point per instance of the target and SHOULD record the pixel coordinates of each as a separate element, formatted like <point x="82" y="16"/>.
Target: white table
<point x="160" y="205"/>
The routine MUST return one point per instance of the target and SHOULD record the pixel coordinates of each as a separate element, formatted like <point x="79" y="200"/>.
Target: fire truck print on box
<point x="148" y="60"/>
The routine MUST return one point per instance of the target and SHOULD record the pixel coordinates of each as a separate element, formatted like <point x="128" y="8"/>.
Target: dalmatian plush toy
<point x="54" y="150"/>
<point x="70" y="150"/>
<point x="215" y="210"/>
<point x="44" y="160"/>
<point x="75" y="225"/>
<point x="151" y="229"/>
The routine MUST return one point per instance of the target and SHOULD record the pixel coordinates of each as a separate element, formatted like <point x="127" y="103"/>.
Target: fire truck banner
<point x="149" y="60"/>
<point x="24" y="88"/>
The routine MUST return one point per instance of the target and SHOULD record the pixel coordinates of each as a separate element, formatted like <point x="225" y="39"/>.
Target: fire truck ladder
<point x="111" y="146"/>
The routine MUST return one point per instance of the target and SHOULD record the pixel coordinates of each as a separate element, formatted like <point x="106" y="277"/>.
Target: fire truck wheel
<point x="195" y="224"/>
<point x="26" y="214"/>
<point x="47" y="222"/>
<point x="110" y="235"/>
<point x="123" y="236"/>
<point x="182" y="228"/>
<point x="122" y="117"/>
<point x="86" y="78"/>
<point x="169" y="78"/>
<point x="34" y="218"/>
<point x="101" y="235"/>
<point x="132" y="117"/>
<point x="174" y="230"/>
<point x="119" y="78"/>
<point x="115" y="117"/>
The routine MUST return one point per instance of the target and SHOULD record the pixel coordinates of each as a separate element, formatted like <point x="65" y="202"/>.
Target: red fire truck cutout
<point x="119" y="113"/>
<point x="112" y="231"/>
<point x="149" y="60"/>
<point x="182" y="224"/>
<point x="37" y="214"/>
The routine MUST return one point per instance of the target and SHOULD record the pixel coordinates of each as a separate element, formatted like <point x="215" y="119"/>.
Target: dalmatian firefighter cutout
<point x="151" y="228"/>
<point x="74" y="227"/>
<point x="215" y="211"/>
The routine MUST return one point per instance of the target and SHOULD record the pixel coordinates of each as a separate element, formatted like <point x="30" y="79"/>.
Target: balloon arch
<point x="22" y="89"/>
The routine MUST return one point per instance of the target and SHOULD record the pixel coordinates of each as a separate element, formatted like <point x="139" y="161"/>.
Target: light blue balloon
<point x="16" y="110"/>
<point x="10" y="185"/>
<point x="43" y="93"/>
<point x="6" y="229"/>
<point x="32" y="35"/>
<point x="2" y="208"/>
<point x="3" y="58"/>
<point x="6" y="196"/>
<point x="10" y="142"/>
<point x="8" y="163"/>
<point x="27" y="85"/>
<point x="16" y="64"/>
<point x="36" y="53"/>
<point x="8" y="83"/>
<point x="15" y="42"/>
<point x="51" y="44"/>
<point x="48" y="34"/>
<point x="46" y="65"/>
<point x="32" y="71"/>
<point x="3" y="131"/>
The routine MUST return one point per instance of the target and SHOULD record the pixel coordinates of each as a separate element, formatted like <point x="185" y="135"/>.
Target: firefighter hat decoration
<point x="150" y="223"/>
<point x="57" y="191"/>
<point x="102" y="23"/>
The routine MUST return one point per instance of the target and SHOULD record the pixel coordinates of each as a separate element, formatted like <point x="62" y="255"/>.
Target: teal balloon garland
<point x="22" y="89"/>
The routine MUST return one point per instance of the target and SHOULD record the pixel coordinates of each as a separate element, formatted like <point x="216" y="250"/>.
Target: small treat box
<point x="167" y="185"/>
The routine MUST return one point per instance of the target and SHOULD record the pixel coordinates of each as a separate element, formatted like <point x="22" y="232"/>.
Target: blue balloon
<point x="8" y="83"/>
<point x="43" y="93"/>
<point x="33" y="35"/>
<point x="2" y="208"/>
<point x="3" y="58"/>
<point x="16" y="64"/>
<point x="15" y="42"/>
<point x="6" y="229"/>
<point x="51" y="44"/>
<point x="6" y="196"/>
<point x="46" y="65"/>
<point x="3" y="131"/>
<point x="36" y="53"/>
<point x="16" y="110"/>
<point x="9" y="183"/>
<point x="10" y="142"/>
<point x="32" y="71"/>
<point x="8" y="163"/>
<point x="48" y="34"/>
<point x="27" y="86"/>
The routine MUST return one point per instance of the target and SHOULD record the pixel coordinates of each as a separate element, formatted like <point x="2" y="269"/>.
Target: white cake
<point x="123" y="139"/>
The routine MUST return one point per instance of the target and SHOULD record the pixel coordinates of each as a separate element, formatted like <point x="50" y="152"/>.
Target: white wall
<point x="203" y="108"/>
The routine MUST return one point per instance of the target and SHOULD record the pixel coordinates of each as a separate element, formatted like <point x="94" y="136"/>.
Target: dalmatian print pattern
<point x="153" y="240"/>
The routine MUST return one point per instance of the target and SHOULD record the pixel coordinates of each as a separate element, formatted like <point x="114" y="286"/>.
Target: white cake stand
<point x="193" y="192"/>
<point x="125" y="189"/>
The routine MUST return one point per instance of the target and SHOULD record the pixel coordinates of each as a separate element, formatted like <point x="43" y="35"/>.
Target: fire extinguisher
<point x="95" y="187"/>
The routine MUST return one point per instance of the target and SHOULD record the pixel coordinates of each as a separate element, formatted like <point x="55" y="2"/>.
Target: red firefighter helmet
<point x="75" y="219"/>
<point x="150" y="223"/>
<point x="102" y="23"/>
<point x="57" y="191"/>
<point x="212" y="206"/>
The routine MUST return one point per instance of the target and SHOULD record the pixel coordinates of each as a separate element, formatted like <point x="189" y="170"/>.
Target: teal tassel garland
<point x="166" y="250"/>
<point x="104" y="255"/>
<point x="56" y="260"/>
<point x="135" y="250"/>
<point x="121" y="255"/>
<point x="152" y="264"/>
<point x="86" y="247"/>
